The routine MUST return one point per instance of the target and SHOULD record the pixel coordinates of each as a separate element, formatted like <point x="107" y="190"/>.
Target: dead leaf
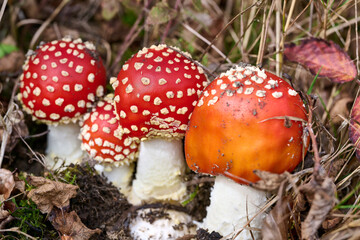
<point x="160" y="13"/>
<point x="48" y="193"/>
<point x="269" y="181"/>
<point x="7" y="183"/>
<point x="70" y="225"/>
<point x="65" y="237"/>
<point x="354" y="129"/>
<point x="350" y="230"/>
<point x="276" y="222"/>
<point x="331" y="221"/>
<point x="324" y="56"/>
<point x="13" y="61"/>
<point x="340" y="108"/>
<point x="3" y="213"/>
<point x="109" y="9"/>
<point x="321" y="196"/>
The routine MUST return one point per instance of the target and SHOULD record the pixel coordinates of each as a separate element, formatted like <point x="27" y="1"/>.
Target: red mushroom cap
<point x="155" y="92"/>
<point x="246" y="119"/>
<point x="61" y="79"/>
<point x="98" y="137"/>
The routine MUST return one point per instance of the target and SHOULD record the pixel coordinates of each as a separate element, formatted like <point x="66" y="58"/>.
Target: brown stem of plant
<point x="264" y="33"/>
<point x="224" y="28"/>
<point x="130" y="37"/>
<point x="167" y="28"/>
<point x="313" y="141"/>
<point x="47" y="22"/>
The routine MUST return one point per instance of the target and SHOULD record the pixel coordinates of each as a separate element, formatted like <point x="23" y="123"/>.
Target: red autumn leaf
<point x="354" y="130"/>
<point x="324" y="56"/>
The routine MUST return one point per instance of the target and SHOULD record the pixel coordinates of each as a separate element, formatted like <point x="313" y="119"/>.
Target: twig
<point x="193" y="31"/>
<point x="47" y="22"/>
<point x="130" y="37"/>
<point x="7" y="123"/>
<point x="313" y="141"/>
<point x="278" y="37"/>
<point x="167" y="28"/>
<point x="15" y="229"/>
<point x="3" y="9"/>
<point x="291" y="11"/>
<point x="223" y="29"/>
<point x="343" y="25"/>
<point x="325" y="20"/>
<point x="28" y="21"/>
<point x="264" y="33"/>
<point x="311" y="16"/>
<point x="301" y="13"/>
<point x="246" y="35"/>
<point x="357" y="38"/>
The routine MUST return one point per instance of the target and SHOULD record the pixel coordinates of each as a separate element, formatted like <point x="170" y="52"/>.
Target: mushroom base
<point x="232" y="205"/>
<point x="158" y="174"/>
<point x="169" y="224"/>
<point x="119" y="176"/>
<point x="63" y="145"/>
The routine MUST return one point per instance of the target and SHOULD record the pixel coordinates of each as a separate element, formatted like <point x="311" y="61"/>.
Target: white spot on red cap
<point x="277" y="94"/>
<point x="249" y="91"/>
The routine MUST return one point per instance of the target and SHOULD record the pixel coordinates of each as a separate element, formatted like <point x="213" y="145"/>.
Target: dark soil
<point x="100" y="205"/>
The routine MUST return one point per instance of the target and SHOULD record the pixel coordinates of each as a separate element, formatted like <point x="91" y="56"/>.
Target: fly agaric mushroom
<point x="155" y="92"/>
<point x="59" y="82"/>
<point x="256" y="123"/>
<point x="98" y="139"/>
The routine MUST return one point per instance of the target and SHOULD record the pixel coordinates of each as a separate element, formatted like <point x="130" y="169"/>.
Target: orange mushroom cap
<point x="246" y="119"/>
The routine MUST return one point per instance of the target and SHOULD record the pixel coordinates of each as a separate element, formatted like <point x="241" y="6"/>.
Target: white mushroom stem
<point x="119" y="176"/>
<point x="170" y="225"/>
<point x="232" y="205"/>
<point x="158" y="175"/>
<point x="63" y="145"/>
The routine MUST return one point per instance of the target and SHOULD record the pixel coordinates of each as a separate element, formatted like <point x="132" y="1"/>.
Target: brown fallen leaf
<point x="354" y="129"/>
<point x="276" y="222"/>
<point x="350" y="230"/>
<point x="13" y="61"/>
<point x="321" y="196"/>
<point x="324" y="56"/>
<point x="48" y="193"/>
<point x="160" y="13"/>
<point x="269" y="181"/>
<point x="7" y="183"/>
<point x="332" y="221"/>
<point x="70" y="225"/>
<point x="3" y="213"/>
<point x="340" y="108"/>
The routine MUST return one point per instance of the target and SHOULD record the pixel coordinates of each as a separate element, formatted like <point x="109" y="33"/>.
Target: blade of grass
<point x="313" y="83"/>
<point x="347" y="197"/>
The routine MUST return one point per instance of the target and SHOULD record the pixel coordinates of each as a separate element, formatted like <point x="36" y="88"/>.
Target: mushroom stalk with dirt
<point x="155" y="92"/>
<point x="60" y="81"/>
<point x="114" y="156"/>
<point x="256" y="123"/>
